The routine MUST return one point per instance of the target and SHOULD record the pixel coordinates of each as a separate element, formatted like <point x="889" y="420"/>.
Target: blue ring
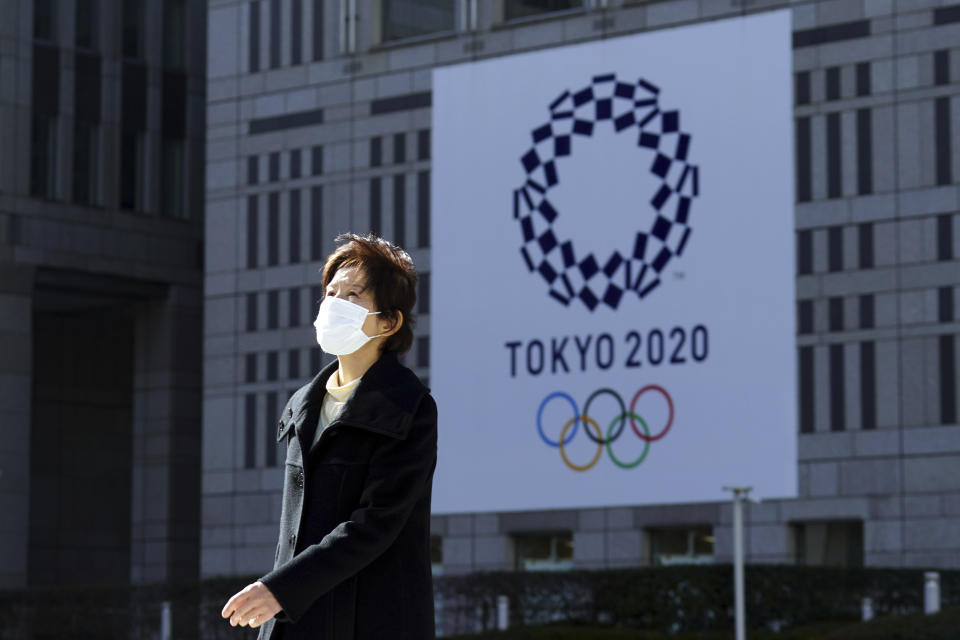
<point x="576" y="418"/>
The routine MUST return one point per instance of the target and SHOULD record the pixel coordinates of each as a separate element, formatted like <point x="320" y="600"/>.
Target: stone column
<point x="166" y="438"/>
<point x="16" y="366"/>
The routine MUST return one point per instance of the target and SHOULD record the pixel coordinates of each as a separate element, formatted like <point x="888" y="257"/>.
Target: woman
<point x="353" y="560"/>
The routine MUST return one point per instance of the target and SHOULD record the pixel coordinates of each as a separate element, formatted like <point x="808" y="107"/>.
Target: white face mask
<point x="339" y="326"/>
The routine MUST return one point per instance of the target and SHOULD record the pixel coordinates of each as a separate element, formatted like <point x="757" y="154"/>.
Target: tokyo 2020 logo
<point x="630" y="108"/>
<point x="604" y="435"/>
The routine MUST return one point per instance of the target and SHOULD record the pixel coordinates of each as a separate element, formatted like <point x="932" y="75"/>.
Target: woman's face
<point x="350" y="284"/>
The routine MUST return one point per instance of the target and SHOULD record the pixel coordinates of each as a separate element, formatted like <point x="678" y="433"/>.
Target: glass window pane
<point x="86" y="166"/>
<point x="132" y="28"/>
<point x="174" y="17"/>
<point x="513" y="9"/>
<point x="171" y="178"/>
<point x="44" y="14"/>
<point x="86" y="27"/>
<point x="411" y="18"/>
<point x="43" y="155"/>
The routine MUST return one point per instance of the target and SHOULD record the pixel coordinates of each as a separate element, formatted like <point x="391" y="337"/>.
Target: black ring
<point x="623" y="415"/>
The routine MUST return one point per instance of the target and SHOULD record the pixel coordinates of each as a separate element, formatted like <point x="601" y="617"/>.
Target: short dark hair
<point x="389" y="272"/>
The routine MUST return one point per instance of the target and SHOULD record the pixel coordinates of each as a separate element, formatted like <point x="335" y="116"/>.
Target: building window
<point x="250" y="428"/>
<point x="253" y="169"/>
<point x="316" y="223"/>
<point x="132" y="180"/>
<point x="868" y="386"/>
<point x="174" y="37"/>
<point x="835" y="248"/>
<point x="865" y="244"/>
<point x="250" y="368"/>
<point x="436" y="555"/>
<point x="830" y="544"/>
<point x="864" y="152"/>
<point x="375" y="206"/>
<point x="863" y="78"/>
<point x="295" y="169"/>
<point x="948" y="380"/>
<point x="318" y="30"/>
<point x="941" y="67"/>
<point x="941" y="120"/>
<point x="945" y="304"/>
<point x="944" y="237"/>
<point x="172" y="177"/>
<point x="805" y="382"/>
<point x="804" y="252"/>
<point x="271" y="439"/>
<point x="834" y="157"/>
<point x="273" y="166"/>
<point x="549" y="551"/>
<point x="376" y="151"/>
<point x="400" y="209"/>
<point x="838" y="415"/>
<point x="401" y="19"/>
<point x="273" y="309"/>
<point x="316" y="160"/>
<point x="272" y="366"/>
<point x="133" y="28"/>
<point x="251" y="312"/>
<point x="296" y="32"/>
<point x="273" y="229"/>
<point x="253" y="231"/>
<point x="423" y="209"/>
<point x="686" y="545"/>
<point x="423" y="144"/>
<point x="423" y="297"/>
<point x="293" y="364"/>
<point x="293" y="296"/>
<point x="423" y="351"/>
<point x="804" y="173"/>
<point x="399" y="148"/>
<point x="866" y="311"/>
<point x="253" y="51"/>
<point x="86" y="162"/>
<point x="513" y="9"/>
<point x="833" y="83"/>
<point x="43" y="155"/>
<point x="44" y="19"/>
<point x="805" y="317"/>
<point x="275" y="34"/>
<point x="294" y="230"/>
<point x="801" y="87"/>
<point x="835" y="308"/>
<point x="87" y="18"/>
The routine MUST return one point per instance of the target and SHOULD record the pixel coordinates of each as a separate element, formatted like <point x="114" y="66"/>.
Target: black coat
<point x="353" y="561"/>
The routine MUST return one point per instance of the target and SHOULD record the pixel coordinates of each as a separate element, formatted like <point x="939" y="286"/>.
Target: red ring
<point x="633" y="404"/>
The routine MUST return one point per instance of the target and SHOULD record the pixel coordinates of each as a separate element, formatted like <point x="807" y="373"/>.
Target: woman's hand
<point x="252" y="606"/>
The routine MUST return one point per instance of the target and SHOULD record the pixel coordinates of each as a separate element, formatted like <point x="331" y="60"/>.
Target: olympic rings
<point x="614" y="430"/>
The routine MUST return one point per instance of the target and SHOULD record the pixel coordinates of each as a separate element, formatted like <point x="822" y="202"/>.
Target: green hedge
<point x="683" y="598"/>
<point x="666" y="600"/>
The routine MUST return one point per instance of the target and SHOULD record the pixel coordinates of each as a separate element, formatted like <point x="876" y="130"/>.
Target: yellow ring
<point x="563" y="434"/>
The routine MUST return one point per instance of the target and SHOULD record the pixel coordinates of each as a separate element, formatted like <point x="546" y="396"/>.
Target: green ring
<point x="646" y="443"/>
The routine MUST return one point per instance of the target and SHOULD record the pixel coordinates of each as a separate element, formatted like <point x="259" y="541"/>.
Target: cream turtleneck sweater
<point x="334" y="400"/>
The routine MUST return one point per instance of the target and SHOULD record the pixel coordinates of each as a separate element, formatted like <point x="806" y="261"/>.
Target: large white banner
<point x="613" y="271"/>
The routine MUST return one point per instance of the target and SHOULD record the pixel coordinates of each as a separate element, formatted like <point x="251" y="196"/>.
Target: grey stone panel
<point x="676" y="515"/>
<point x="932" y="534"/>
<point x="486" y="523"/>
<point x="928" y="506"/>
<point x="438" y="525"/>
<point x="888" y="393"/>
<point x="825" y="445"/>
<point x="947" y="559"/>
<point x="591" y="520"/>
<point x="493" y="553"/>
<point x="624" y="547"/>
<point x="886" y="507"/>
<point x="538" y="521"/>
<point x="767" y="540"/>
<point x="880" y="442"/>
<point x="589" y="547"/>
<point x="823" y="479"/>
<point x="216" y="561"/>
<point x="912" y="384"/>
<point x="932" y="440"/>
<point x="931" y="473"/>
<point x="459" y="525"/>
<point x="826" y="509"/>
<point x="881" y="536"/>
<point x="869" y="477"/>
<point x="930" y="200"/>
<point x="666" y="13"/>
<point x="457" y="551"/>
<point x="951" y="504"/>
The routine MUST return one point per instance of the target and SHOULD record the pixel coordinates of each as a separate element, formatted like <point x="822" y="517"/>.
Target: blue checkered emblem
<point x="631" y="108"/>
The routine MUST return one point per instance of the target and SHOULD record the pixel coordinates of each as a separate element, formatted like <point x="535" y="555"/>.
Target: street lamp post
<point x="739" y="495"/>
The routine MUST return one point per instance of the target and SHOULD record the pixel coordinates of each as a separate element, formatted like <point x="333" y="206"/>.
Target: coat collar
<point x="384" y="401"/>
